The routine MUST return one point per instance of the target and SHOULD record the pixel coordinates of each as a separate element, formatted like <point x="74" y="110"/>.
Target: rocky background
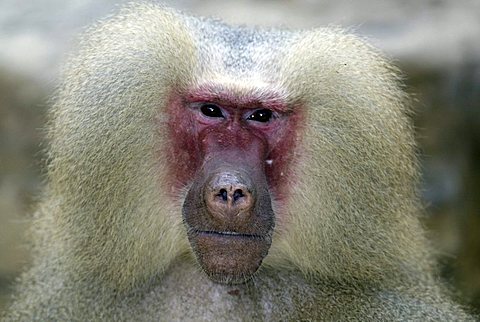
<point x="435" y="42"/>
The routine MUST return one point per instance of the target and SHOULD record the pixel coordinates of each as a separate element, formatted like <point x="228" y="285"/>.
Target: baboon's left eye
<point x="263" y="115"/>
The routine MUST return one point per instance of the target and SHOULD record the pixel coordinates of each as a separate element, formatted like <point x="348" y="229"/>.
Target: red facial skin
<point x="188" y="149"/>
<point x="215" y="145"/>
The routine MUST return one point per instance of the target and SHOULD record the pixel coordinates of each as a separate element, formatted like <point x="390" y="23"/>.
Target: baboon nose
<point x="229" y="194"/>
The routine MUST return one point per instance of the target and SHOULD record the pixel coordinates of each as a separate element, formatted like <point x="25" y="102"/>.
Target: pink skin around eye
<point x="187" y="125"/>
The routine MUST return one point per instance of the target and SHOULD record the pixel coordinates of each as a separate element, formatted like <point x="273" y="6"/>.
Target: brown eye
<point x="263" y="116"/>
<point x="211" y="110"/>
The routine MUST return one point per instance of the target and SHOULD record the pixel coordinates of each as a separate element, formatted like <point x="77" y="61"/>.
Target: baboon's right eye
<point x="211" y="110"/>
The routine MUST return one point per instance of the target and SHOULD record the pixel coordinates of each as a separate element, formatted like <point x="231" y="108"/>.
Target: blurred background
<point x="435" y="42"/>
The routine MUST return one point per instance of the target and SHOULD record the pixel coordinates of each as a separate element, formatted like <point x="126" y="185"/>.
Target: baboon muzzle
<point x="229" y="219"/>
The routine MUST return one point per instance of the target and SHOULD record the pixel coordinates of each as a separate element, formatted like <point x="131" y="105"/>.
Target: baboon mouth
<point x="229" y="257"/>
<point x="229" y="234"/>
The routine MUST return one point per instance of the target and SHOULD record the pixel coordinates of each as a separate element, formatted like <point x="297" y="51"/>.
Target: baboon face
<point x="232" y="151"/>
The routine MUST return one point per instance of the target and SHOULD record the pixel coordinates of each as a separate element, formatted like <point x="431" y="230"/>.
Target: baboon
<point x="204" y="172"/>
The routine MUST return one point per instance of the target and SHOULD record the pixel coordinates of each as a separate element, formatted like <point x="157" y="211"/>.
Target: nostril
<point x="237" y="194"/>
<point x="229" y="194"/>
<point x="223" y="194"/>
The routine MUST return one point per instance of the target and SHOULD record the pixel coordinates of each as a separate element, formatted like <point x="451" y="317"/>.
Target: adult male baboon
<point x="199" y="171"/>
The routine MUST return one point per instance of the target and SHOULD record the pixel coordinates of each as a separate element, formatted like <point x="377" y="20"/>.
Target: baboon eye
<point x="211" y="110"/>
<point x="262" y="115"/>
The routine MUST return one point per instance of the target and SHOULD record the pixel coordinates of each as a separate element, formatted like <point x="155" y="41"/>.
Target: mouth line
<point x="228" y="234"/>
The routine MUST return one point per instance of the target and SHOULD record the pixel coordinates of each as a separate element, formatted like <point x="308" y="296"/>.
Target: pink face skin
<point x="234" y="154"/>
<point x="195" y="137"/>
